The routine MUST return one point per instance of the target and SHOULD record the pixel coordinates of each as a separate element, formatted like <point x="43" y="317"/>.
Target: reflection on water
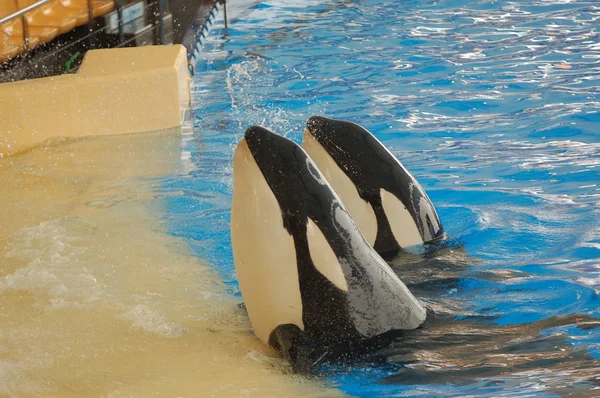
<point x="97" y="300"/>
<point x="475" y="357"/>
<point x="493" y="106"/>
<point x="476" y="348"/>
<point x="458" y="352"/>
<point x="461" y="352"/>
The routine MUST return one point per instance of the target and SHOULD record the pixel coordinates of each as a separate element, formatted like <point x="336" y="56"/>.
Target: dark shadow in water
<point x="459" y="348"/>
<point x="446" y="350"/>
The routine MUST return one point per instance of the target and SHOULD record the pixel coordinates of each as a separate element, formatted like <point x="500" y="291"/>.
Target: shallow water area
<point x="96" y="299"/>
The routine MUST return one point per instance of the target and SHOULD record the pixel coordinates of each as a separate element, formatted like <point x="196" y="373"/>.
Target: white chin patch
<point x="263" y="251"/>
<point x="360" y="210"/>
<point x="403" y="226"/>
<point x="323" y="257"/>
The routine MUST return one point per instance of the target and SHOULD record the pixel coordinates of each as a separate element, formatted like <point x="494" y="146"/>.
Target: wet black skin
<point x="451" y="334"/>
<point x="371" y="167"/>
<point x="300" y="196"/>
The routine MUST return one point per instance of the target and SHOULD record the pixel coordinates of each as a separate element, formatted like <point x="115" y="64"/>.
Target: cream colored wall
<point x="115" y="91"/>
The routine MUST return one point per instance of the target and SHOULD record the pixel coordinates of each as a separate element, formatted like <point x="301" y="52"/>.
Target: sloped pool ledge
<point x="115" y="91"/>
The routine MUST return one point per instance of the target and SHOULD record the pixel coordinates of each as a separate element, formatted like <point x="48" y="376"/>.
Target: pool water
<point x="494" y="107"/>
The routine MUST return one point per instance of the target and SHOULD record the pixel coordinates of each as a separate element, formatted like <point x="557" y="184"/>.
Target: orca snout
<point x="255" y="134"/>
<point x="334" y="134"/>
<point x="264" y="146"/>
<point x="275" y="155"/>
<point x="319" y="126"/>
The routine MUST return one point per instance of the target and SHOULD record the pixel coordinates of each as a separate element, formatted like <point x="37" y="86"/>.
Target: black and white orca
<point x="387" y="203"/>
<point x="309" y="279"/>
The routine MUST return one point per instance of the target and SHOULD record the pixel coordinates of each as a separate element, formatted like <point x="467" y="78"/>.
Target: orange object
<point x="11" y="34"/>
<point x="53" y="14"/>
<point x="44" y="33"/>
<point x="9" y="49"/>
<point x="99" y="7"/>
<point x="36" y="34"/>
<point x="30" y="42"/>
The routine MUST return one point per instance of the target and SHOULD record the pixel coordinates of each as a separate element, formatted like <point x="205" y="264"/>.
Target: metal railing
<point x="161" y="5"/>
<point x="151" y="7"/>
<point x="150" y="23"/>
<point x="21" y="14"/>
<point x="23" y="11"/>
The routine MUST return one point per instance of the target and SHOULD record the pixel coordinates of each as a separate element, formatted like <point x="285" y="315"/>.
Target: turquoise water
<point x="494" y="107"/>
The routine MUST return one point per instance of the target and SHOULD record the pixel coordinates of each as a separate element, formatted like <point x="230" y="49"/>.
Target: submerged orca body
<point x="309" y="279"/>
<point x="387" y="203"/>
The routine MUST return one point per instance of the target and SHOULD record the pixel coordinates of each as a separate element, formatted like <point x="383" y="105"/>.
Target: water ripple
<point x="494" y="106"/>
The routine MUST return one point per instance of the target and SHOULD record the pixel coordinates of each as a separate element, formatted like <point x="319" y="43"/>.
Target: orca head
<point x="263" y="251"/>
<point x="308" y="277"/>
<point x="387" y="202"/>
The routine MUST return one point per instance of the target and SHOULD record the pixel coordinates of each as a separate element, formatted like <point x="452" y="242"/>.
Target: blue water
<point x="494" y="107"/>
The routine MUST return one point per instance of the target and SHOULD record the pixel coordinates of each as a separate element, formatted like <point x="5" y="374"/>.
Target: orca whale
<point x="309" y="279"/>
<point x="387" y="203"/>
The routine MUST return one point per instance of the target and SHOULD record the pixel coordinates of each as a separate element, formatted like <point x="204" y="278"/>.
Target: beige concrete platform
<point x="115" y="91"/>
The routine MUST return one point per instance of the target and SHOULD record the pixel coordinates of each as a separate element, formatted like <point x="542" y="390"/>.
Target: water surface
<point x="493" y="105"/>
